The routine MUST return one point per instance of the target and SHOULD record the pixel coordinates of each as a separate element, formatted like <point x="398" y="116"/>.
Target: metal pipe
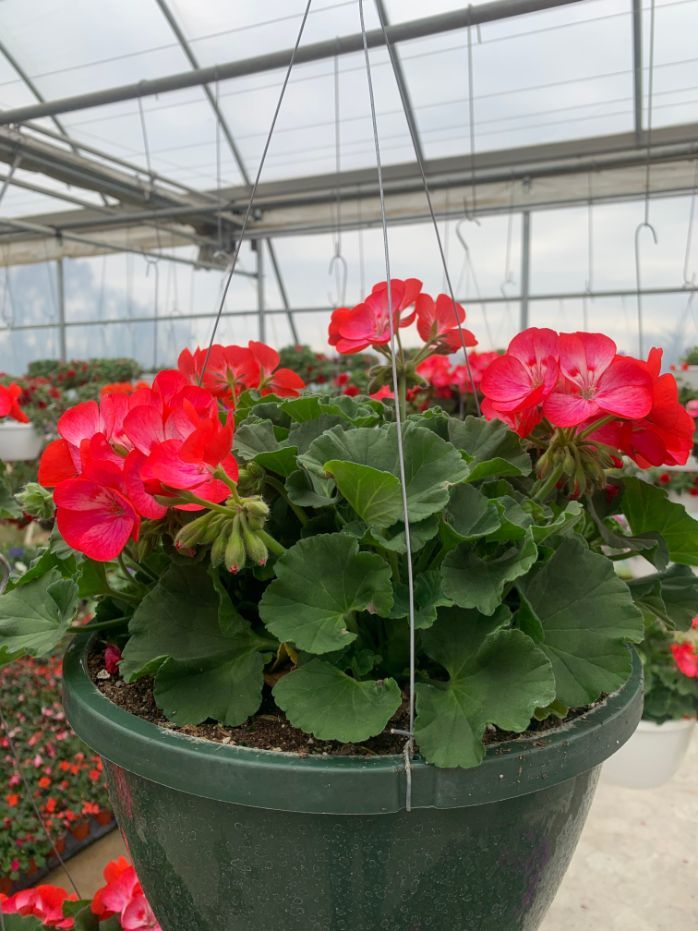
<point x="525" y="267"/>
<point x="637" y="67"/>
<point x="259" y="254"/>
<point x="499" y="299"/>
<point x="400" y="32"/>
<point x="282" y="291"/>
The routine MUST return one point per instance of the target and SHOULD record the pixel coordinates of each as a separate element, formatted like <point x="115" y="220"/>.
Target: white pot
<point x="689" y="377"/>
<point x="19" y="441"/>
<point x="651" y="756"/>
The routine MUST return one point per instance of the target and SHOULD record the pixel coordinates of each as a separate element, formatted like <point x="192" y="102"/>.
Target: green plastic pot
<point x="230" y="839"/>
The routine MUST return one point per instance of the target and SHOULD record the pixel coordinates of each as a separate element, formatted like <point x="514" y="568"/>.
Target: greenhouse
<point x="348" y="476"/>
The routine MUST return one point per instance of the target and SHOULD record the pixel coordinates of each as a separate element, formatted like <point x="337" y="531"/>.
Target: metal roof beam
<point x="345" y="45"/>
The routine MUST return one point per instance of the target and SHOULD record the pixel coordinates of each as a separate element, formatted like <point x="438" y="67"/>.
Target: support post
<point x="258" y="249"/>
<point x="60" y="287"/>
<point x="525" y="267"/>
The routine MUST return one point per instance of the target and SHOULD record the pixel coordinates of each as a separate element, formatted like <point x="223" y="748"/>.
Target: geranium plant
<point x="670" y="662"/>
<point x="245" y="542"/>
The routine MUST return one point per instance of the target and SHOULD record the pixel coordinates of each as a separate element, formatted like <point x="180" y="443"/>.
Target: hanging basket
<point x="19" y="441"/>
<point x="227" y="837"/>
<point x="652" y="756"/>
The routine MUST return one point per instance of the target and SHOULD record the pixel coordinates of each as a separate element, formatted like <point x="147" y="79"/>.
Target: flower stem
<point x="601" y="422"/>
<point x="272" y="545"/>
<point x="188" y="497"/>
<point x="549" y="484"/>
<point x="278" y="487"/>
<point x="98" y="625"/>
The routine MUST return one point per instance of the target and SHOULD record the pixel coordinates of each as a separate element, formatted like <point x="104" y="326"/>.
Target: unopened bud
<point x="256" y="512"/>
<point x="255" y="548"/>
<point x="192" y="534"/>
<point x="218" y="547"/>
<point x="235" y="556"/>
<point x="36" y="500"/>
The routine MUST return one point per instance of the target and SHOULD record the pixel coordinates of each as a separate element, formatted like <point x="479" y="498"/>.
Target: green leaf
<point x="671" y="595"/>
<point x="309" y="490"/>
<point x="257" y="442"/>
<point x="324" y="701"/>
<point x="586" y="614"/>
<point x="394" y="538"/>
<point x="321" y="581"/>
<point x="469" y="514"/>
<point x="177" y="619"/>
<point x="649" y="510"/>
<point x="227" y="690"/>
<point x="374" y="495"/>
<point x="35" y="617"/>
<point x="428" y="596"/>
<point x="496" y="676"/>
<point x="92" y="579"/>
<point x="302" y="434"/>
<point x="474" y="581"/>
<point x="22" y="923"/>
<point x="517" y="516"/>
<point x="431" y="464"/>
<point x="489" y="448"/>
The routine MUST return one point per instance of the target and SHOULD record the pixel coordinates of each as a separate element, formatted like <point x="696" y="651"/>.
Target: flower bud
<point x="218" y="547"/>
<point x="256" y="512"/>
<point x="192" y="534"/>
<point x="36" y="500"/>
<point x="235" y="555"/>
<point x="254" y="547"/>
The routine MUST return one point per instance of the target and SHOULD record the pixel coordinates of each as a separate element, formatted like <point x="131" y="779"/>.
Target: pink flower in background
<point x="686" y="659"/>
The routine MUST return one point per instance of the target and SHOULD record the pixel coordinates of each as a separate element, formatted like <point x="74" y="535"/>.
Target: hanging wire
<point x="220" y="252"/>
<point x="151" y="260"/>
<point x="476" y="286"/>
<point x="646" y="222"/>
<point x="5" y="571"/>
<point x="409" y="743"/>
<point x="253" y="192"/>
<point x="589" y="283"/>
<point x="508" y="279"/>
<point x="338" y="264"/>
<point x="427" y="194"/>
<point x="471" y="117"/>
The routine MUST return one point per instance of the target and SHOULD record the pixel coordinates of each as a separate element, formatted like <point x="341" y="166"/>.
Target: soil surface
<point x="269" y="729"/>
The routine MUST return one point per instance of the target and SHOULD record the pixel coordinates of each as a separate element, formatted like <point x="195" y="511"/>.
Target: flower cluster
<point x="121" y="900"/>
<point x="65" y="780"/>
<point x="577" y="382"/>
<point x="353" y="329"/>
<point x="445" y="378"/>
<point x="227" y="371"/>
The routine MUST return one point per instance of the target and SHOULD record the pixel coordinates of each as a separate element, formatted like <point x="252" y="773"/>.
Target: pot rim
<point x="283" y="781"/>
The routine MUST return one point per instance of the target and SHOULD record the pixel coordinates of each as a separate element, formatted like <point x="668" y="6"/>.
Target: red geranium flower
<point x="273" y="380"/>
<point x="439" y="320"/>
<point x="42" y="902"/>
<point x="525" y="375"/>
<point x="686" y="659"/>
<point x="9" y="405"/>
<point x="596" y="381"/>
<point x="368" y="324"/>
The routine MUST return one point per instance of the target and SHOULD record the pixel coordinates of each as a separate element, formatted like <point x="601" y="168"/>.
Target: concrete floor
<point x="634" y="868"/>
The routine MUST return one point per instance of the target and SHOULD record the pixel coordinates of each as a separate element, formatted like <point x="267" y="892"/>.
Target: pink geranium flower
<point x="42" y="902"/>
<point x="596" y="381"/>
<point x="525" y="375"/>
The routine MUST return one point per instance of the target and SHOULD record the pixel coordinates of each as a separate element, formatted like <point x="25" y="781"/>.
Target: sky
<point x="554" y="75"/>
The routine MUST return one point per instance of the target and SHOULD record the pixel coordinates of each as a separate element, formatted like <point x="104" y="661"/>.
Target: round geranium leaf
<point x="320" y="582"/>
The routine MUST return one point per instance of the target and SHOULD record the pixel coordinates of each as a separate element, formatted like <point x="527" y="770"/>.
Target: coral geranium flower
<point x="368" y="324"/>
<point x="596" y="381"/>
<point x="272" y="380"/>
<point x="525" y="375"/>
<point x="442" y="318"/>
<point x="686" y="659"/>
<point x="93" y="513"/>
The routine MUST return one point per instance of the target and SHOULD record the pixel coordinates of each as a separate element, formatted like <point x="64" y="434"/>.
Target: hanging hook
<point x="638" y="230"/>
<point x="338" y="266"/>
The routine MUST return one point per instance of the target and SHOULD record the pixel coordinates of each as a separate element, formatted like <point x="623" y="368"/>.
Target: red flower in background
<point x="9" y="403"/>
<point x="368" y="323"/>
<point x="686" y="659"/>
<point x="271" y="379"/>
<point x="42" y="902"/>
